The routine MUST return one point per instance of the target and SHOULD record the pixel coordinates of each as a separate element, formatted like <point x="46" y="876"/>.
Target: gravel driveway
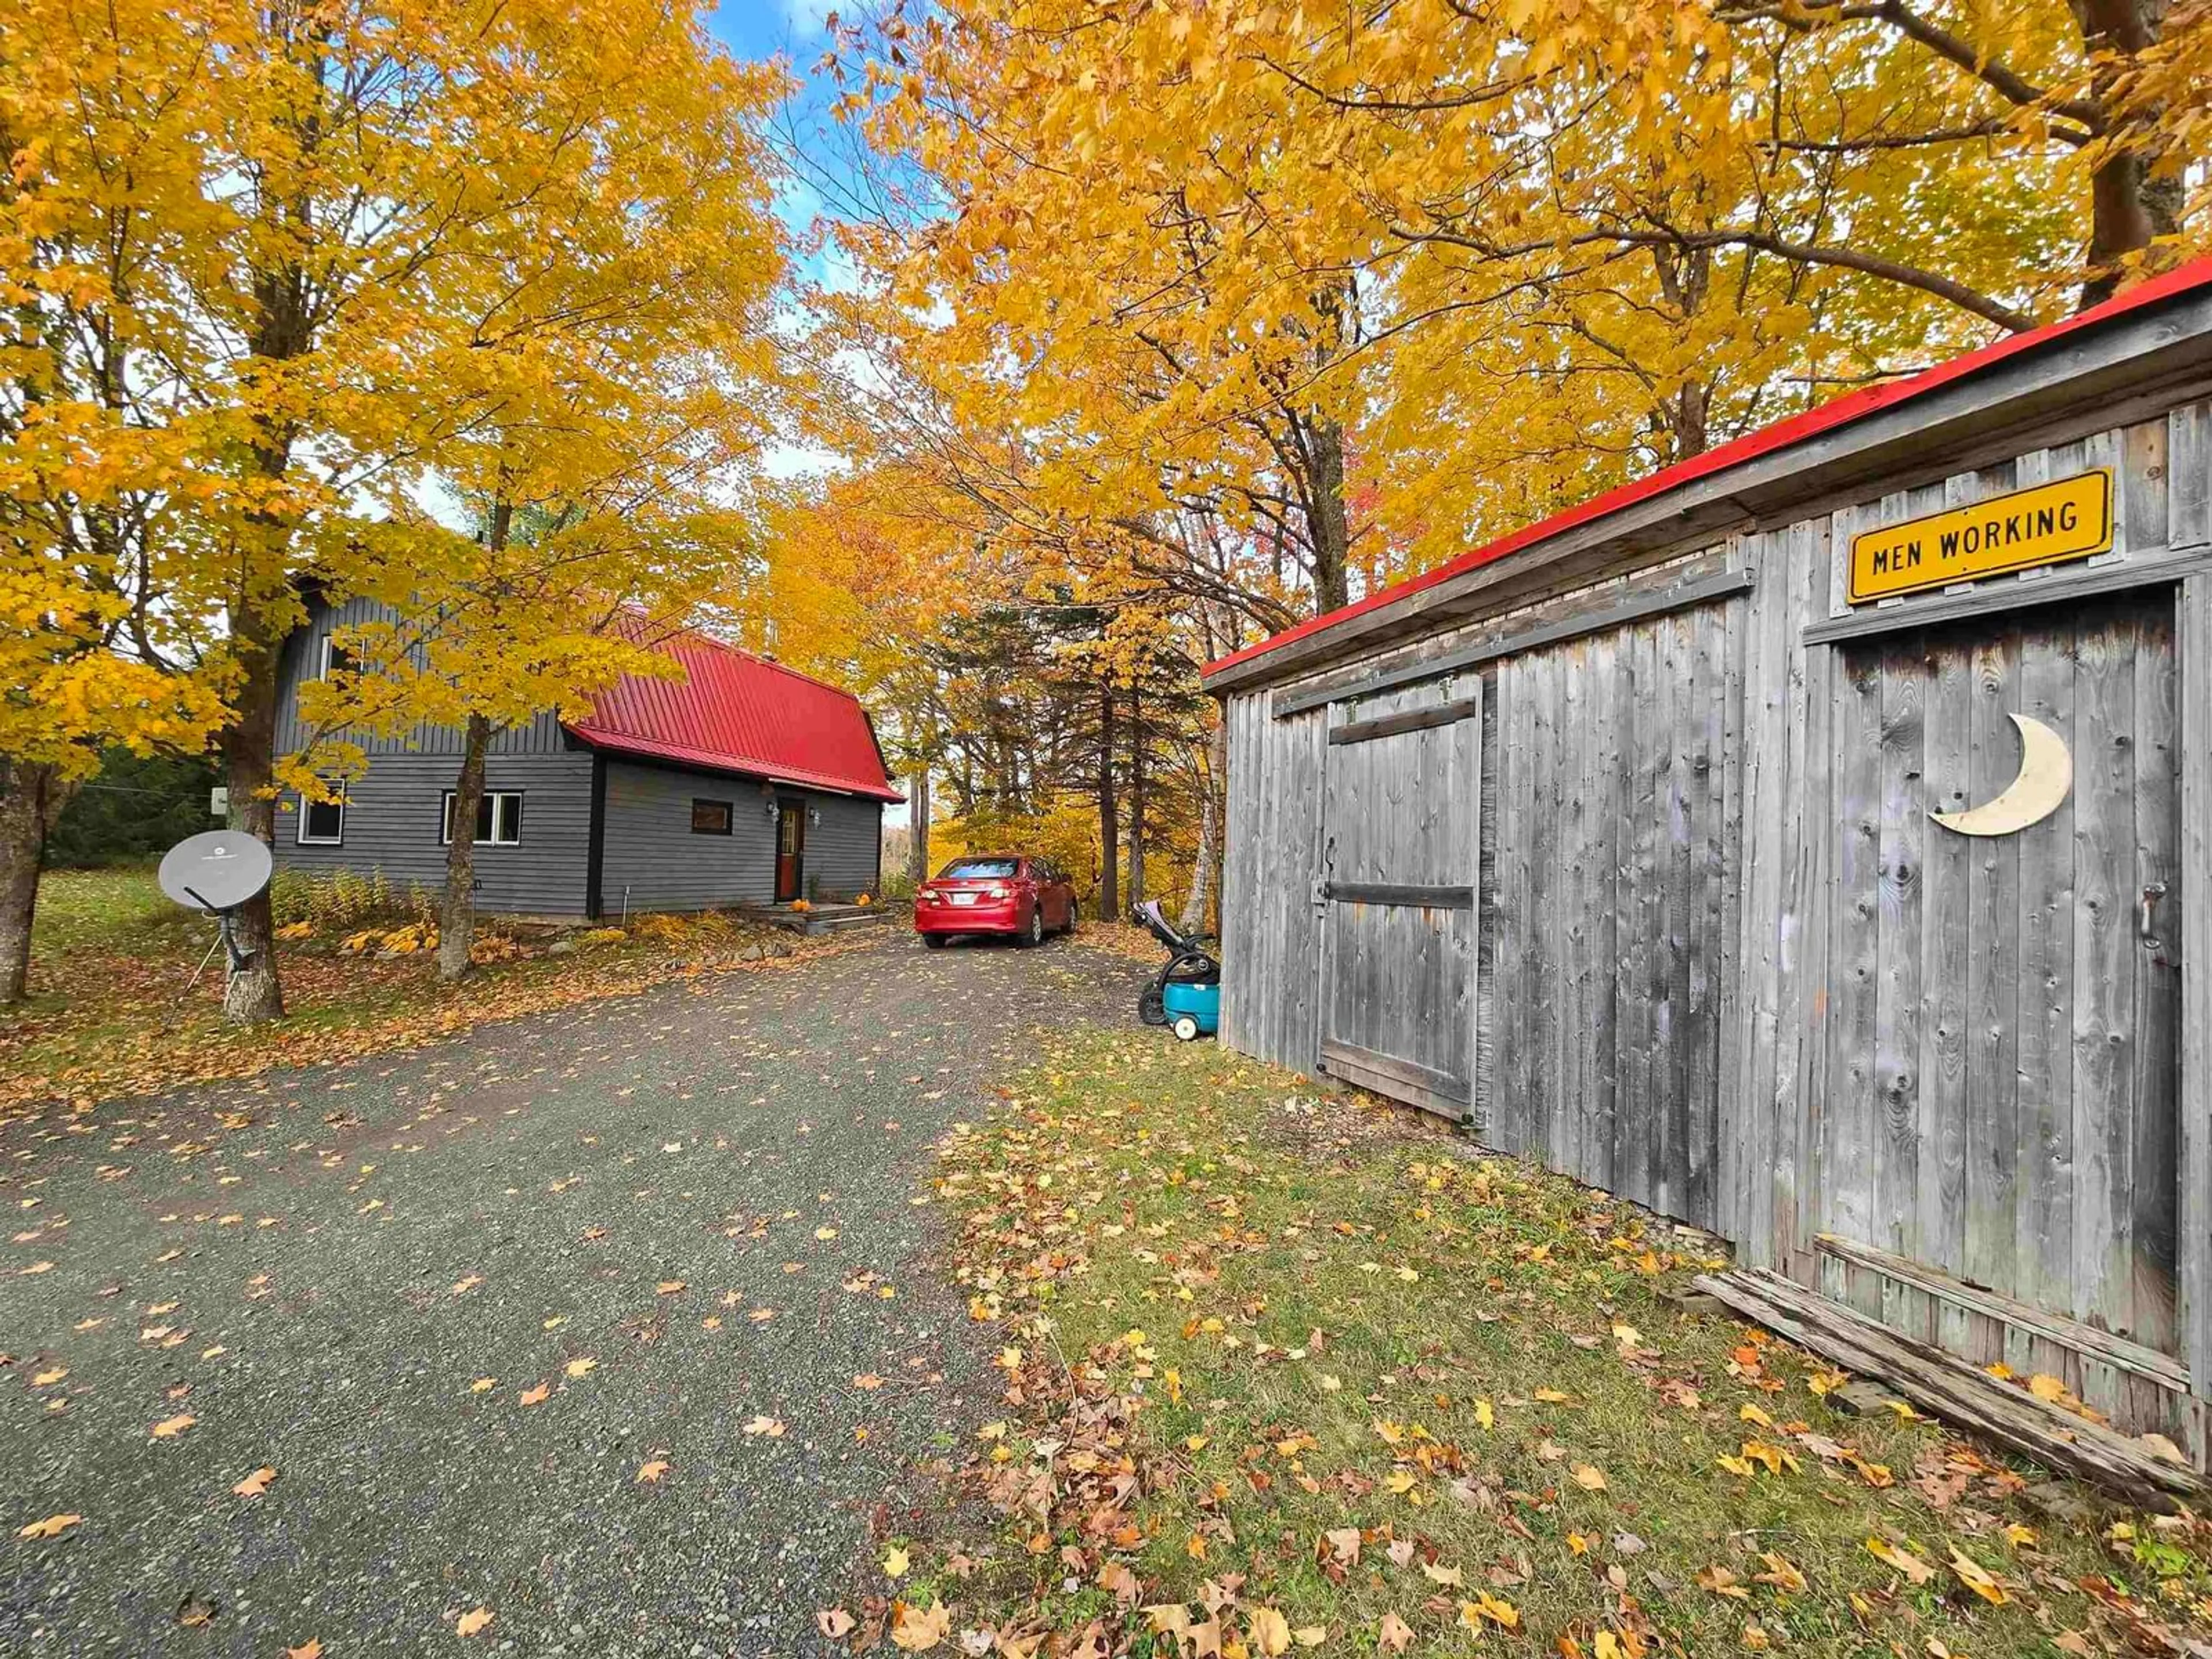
<point x="618" y="1323"/>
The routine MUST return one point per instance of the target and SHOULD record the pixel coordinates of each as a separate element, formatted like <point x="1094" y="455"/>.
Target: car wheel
<point x="934" y="941"/>
<point x="1034" y="933"/>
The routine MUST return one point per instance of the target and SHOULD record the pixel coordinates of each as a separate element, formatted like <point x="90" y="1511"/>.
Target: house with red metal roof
<point x="743" y="783"/>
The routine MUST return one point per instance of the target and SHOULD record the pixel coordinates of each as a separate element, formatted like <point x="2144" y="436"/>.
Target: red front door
<point x="790" y="849"/>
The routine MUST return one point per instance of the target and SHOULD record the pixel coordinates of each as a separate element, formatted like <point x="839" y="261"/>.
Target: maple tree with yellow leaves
<point x="277" y="273"/>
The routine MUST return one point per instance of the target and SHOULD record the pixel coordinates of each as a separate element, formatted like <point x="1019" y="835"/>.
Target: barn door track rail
<point x="1682" y="597"/>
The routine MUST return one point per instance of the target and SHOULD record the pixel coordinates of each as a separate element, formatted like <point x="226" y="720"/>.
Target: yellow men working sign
<point x="2046" y="525"/>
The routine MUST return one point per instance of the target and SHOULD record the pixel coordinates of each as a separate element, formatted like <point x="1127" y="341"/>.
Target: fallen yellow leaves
<point x="1588" y="1476"/>
<point x="310" y="1649"/>
<point x="583" y="1366"/>
<point x="1271" y="1631"/>
<point x="918" y="1630"/>
<point x="472" y="1622"/>
<point x="835" y="1623"/>
<point x="649" y="1474"/>
<point x="668" y="1287"/>
<point x="170" y="1427"/>
<point x="534" y="1396"/>
<point x="1916" y="1570"/>
<point x="765" y="1424"/>
<point x="1492" y="1609"/>
<point x="255" y="1484"/>
<point x="1976" y="1578"/>
<point x="1781" y="1573"/>
<point x="896" y="1562"/>
<point x="1721" y="1582"/>
<point x="43" y="1379"/>
<point x="52" y="1527"/>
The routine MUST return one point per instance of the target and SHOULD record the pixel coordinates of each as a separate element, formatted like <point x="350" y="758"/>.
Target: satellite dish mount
<point x="214" y="873"/>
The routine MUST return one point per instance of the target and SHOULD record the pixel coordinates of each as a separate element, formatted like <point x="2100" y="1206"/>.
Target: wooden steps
<point x="1947" y="1387"/>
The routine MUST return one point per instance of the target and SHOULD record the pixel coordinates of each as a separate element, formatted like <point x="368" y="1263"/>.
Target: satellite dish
<point x="216" y="871"/>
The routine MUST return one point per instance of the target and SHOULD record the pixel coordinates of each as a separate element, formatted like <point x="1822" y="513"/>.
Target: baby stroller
<point x="1186" y="994"/>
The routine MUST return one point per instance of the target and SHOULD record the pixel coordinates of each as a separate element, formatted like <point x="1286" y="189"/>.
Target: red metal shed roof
<point x="734" y="711"/>
<point x="1766" y="439"/>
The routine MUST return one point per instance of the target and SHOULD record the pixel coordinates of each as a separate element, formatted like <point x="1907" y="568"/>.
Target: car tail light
<point x="996" y="892"/>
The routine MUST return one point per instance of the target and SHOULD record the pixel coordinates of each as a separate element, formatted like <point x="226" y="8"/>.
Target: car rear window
<point x="983" y="869"/>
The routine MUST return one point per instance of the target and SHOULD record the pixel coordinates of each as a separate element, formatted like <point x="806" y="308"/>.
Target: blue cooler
<point x="1193" y="1009"/>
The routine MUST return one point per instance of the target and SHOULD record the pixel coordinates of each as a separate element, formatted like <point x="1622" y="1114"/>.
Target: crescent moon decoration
<point x="2046" y="774"/>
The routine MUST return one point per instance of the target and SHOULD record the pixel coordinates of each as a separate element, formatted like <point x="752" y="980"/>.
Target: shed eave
<point x="2155" y="336"/>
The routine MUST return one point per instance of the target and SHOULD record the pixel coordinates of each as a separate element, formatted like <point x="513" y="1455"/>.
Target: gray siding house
<point x="743" y="783"/>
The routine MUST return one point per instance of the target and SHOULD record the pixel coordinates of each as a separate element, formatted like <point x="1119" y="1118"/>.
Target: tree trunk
<point x="249" y="750"/>
<point x="917" y="810"/>
<point x="1194" y="909"/>
<point x="1687" y="412"/>
<point x="32" y="796"/>
<point x="1327" y="520"/>
<point x="1136" y="796"/>
<point x="456" y="912"/>
<point x="1109" y="828"/>
<point x="2129" y="207"/>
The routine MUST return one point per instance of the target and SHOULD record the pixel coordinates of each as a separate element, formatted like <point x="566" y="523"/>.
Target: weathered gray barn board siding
<point x="1270" y="860"/>
<point x="301" y="660"/>
<point x="394" y="823"/>
<point x="1616" y="842"/>
<point x="2193" y="936"/>
<point x="1934" y="1076"/>
<point x="1401" y="787"/>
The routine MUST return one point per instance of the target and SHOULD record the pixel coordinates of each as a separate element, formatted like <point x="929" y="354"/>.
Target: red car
<point x="1023" y="898"/>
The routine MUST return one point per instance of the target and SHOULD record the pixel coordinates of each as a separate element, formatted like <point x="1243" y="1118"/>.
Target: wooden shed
<point x="1617" y="839"/>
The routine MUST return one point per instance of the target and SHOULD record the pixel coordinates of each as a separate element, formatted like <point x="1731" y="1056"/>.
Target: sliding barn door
<point x="1400" y="841"/>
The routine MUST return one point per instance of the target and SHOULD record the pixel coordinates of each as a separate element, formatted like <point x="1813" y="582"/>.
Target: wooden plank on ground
<point x="2117" y="1351"/>
<point x="1949" y="1387"/>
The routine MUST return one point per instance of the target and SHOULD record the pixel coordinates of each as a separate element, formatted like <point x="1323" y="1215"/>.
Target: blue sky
<point x="763" y="28"/>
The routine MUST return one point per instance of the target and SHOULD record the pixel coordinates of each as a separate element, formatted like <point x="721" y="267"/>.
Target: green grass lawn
<point x="1289" y="1372"/>
<point x="106" y="910"/>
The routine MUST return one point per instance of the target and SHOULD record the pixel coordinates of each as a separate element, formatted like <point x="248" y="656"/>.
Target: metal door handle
<point x="2146" y="914"/>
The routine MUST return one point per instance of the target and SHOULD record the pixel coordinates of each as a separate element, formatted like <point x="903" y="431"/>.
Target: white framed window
<point x="322" y="822"/>
<point x="331" y="656"/>
<point x="499" y="818"/>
